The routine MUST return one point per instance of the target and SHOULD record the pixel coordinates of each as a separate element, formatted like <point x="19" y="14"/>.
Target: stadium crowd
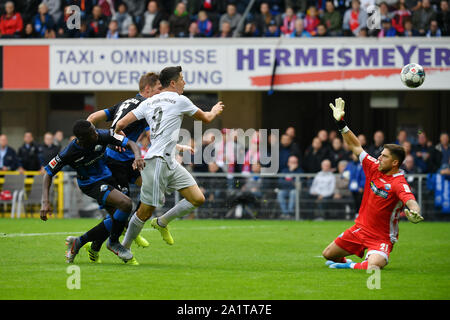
<point x="220" y="18"/>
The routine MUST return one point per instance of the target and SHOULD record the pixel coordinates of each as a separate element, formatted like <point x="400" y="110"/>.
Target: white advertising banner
<point x="250" y="64"/>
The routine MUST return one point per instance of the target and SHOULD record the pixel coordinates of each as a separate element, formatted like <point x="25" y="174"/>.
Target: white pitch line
<point x="13" y="235"/>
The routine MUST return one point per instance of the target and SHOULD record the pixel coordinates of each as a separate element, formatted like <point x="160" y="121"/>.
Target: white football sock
<point x="181" y="209"/>
<point x="134" y="228"/>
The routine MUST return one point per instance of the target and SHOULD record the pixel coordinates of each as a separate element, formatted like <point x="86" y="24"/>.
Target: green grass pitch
<point x="220" y="259"/>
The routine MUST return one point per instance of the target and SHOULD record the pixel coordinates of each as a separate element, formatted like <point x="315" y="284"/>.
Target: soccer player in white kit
<point x="162" y="173"/>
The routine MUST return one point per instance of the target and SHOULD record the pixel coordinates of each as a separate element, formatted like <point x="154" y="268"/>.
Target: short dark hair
<point x="81" y="128"/>
<point x="148" y="79"/>
<point x="169" y="74"/>
<point x="397" y="152"/>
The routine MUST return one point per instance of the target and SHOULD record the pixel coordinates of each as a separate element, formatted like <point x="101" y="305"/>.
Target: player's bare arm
<point x="138" y="163"/>
<point x="125" y="122"/>
<point x="97" y="117"/>
<point x="209" y="116"/>
<point x="412" y="211"/>
<point x="349" y="137"/>
<point x="45" y="203"/>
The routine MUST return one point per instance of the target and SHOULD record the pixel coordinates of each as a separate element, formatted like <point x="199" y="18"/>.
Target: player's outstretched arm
<point x="138" y="163"/>
<point x="124" y="122"/>
<point x="349" y="137"/>
<point x="413" y="211"/>
<point x="209" y="116"/>
<point x="97" y="117"/>
<point x="45" y="203"/>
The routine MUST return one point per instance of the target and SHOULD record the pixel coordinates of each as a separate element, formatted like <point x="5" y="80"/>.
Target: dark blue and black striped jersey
<point x="133" y="131"/>
<point x="89" y="163"/>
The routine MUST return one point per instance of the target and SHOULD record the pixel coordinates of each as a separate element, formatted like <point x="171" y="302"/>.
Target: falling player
<point x="385" y="195"/>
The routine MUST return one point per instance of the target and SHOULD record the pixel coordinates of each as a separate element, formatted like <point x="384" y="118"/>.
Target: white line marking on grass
<point x="13" y="235"/>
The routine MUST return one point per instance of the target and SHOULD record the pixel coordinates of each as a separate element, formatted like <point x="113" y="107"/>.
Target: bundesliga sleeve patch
<point x="407" y="189"/>
<point x="118" y="137"/>
<point x="54" y="162"/>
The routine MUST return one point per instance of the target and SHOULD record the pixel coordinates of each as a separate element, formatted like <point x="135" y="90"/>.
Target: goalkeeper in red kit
<point x="386" y="193"/>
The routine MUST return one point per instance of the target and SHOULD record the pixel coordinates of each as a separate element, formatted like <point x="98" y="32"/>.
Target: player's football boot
<point x="167" y="237"/>
<point x="330" y="262"/>
<point x="119" y="250"/>
<point x="94" y="256"/>
<point x="131" y="262"/>
<point x="73" y="246"/>
<point x="346" y="265"/>
<point x="141" y="241"/>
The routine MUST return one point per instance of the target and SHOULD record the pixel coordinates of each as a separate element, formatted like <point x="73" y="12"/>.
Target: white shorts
<point x="158" y="179"/>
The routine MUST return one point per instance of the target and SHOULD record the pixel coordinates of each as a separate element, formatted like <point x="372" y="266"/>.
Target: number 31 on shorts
<point x="384" y="247"/>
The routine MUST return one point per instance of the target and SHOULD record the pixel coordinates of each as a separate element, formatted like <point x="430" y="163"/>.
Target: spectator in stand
<point x="133" y="31"/>
<point x="322" y="31"/>
<point x="264" y="17"/>
<point x="179" y="21"/>
<point x="272" y="31"/>
<point x="444" y="147"/>
<point x="136" y="9"/>
<point x="231" y="16"/>
<point x="366" y="4"/>
<point x="298" y="5"/>
<point x="402" y="136"/>
<point x="443" y="18"/>
<point x="288" y="25"/>
<point x="8" y="157"/>
<point x="108" y="8"/>
<point x="11" y="24"/>
<point x="97" y="24"/>
<point x="54" y="9"/>
<point x="424" y="155"/>
<point x="58" y="138"/>
<point x="363" y="33"/>
<point x="28" y="31"/>
<point x="205" y="26"/>
<point x="251" y="30"/>
<point x="62" y="30"/>
<point x="354" y="19"/>
<point x="357" y="180"/>
<point x="409" y="30"/>
<point x="43" y="23"/>
<point x="342" y="6"/>
<point x="322" y="188"/>
<point x="434" y="30"/>
<point x="314" y="155"/>
<point x="341" y="191"/>
<point x="48" y="150"/>
<point x="407" y="146"/>
<point x="252" y="155"/>
<point x="399" y="16"/>
<point x="164" y="30"/>
<point x="412" y="5"/>
<point x="193" y="31"/>
<point x="299" y="30"/>
<point x="28" y="154"/>
<point x="225" y="30"/>
<point x="287" y="148"/>
<point x="332" y="19"/>
<point x="123" y="18"/>
<point x="408" y="165"/>
<point x="286" y="185"/>
<point x="311" y="20"/>
<point x="362" y="140"/>
<point x="113" y="30"/>
<point x="338" y="153"/>
<point x="331" y="136"/>
<point x="323" y="136"/>
<point x="422" y="17"/>
<point x="378" y="144"/>
<point x="387" y="30"/>
<point x="384" y="11"/>
<point x="151" y="20"/>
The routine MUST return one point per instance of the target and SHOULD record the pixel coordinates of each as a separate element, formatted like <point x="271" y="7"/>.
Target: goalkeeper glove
<point x="413" y="216"/>
<point x="338" y="114"/>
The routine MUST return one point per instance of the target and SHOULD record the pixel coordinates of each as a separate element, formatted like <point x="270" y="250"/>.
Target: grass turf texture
<point x="214" y="259"/>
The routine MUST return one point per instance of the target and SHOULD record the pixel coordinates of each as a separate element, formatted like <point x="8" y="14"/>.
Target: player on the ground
<point x="86" y="155"/>
<point x="385" y="195"/>
<point x="162" y="173"/>
<point x="121" y="162"/>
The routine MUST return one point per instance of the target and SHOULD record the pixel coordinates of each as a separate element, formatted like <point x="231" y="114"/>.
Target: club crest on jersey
<point x="379" y="192"/>
<point x="387" y="186"/>
<point x="98" y="148"/>
<point x="103" y="187"/>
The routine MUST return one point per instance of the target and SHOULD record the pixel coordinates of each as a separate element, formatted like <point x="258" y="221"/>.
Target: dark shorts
<point x="100" y="190"/>
<point x="123" y="173"/>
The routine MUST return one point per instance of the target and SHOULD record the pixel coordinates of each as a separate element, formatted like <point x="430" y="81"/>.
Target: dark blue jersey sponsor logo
<point x="379" y="192"/>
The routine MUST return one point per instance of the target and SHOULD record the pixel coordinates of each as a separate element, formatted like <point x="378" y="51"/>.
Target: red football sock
<point x="361" y="265"/>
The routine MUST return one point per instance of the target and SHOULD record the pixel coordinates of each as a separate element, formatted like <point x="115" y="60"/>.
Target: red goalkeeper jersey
<point x="383" y="200"/>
